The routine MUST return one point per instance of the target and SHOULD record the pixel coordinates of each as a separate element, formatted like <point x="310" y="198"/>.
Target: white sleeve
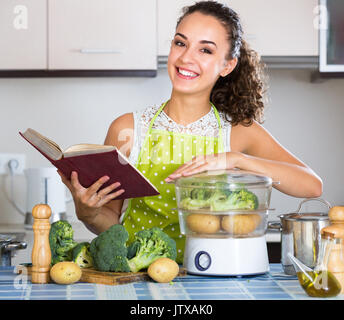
<point x="136" y="146"/>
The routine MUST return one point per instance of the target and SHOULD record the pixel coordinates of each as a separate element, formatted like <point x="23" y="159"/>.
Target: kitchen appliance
<point x="43" y="185"/>
<point x="331" y="40"/>
<point x="9" y="243"/>
<point x="300" y="235"/>
<point x="224" y="217"/>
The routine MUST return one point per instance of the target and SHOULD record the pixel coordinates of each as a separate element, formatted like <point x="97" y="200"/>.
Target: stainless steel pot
<point x="301" y="235"/>
<point x="8" y="244"/>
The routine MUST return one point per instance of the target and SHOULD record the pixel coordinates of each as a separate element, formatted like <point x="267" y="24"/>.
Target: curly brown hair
<point x="240" y="94"/>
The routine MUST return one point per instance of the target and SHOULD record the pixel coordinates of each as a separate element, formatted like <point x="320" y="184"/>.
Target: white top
<point x="205" y="126"/>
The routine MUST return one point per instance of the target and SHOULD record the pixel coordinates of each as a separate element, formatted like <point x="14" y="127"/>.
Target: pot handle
<point x="275" y="226"/>
<point x="313" y="199"/>
<point x="15" y="245"/>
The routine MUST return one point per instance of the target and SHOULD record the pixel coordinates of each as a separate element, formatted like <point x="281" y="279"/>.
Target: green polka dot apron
<point x="161" y="154"/>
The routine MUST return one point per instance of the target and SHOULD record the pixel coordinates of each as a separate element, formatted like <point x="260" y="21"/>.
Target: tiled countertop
<point x="274" y="285"/>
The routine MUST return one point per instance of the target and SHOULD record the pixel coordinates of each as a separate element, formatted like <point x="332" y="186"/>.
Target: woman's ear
<point x="229" y="67"/>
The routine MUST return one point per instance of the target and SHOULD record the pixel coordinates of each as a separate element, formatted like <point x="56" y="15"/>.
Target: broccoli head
<point x="193" y="204"/>
<point x="109" y="251"/>
<point x="236" y="200"/>
<point x="81" y="255"/>
<point x="150" y="245"/>
<point x="132" y="249"/>
<point x="202" y="194"/>
<point x="61" y="241"/>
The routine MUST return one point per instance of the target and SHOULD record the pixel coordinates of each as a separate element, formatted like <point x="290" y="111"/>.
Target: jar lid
<point x="336" y="231"/>
<point x="327" y="235"/>
<point x="229" y="179"/>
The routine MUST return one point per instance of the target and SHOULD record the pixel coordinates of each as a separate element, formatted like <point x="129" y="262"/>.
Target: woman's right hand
<point x="89" y="200"/>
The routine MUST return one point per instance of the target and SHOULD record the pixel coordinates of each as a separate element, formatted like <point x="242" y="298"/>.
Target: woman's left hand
<point x="219" y="161"/>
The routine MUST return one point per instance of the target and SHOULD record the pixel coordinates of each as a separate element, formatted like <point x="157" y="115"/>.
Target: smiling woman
<point x="239" y="90"/>
<point x="212" y="120"/>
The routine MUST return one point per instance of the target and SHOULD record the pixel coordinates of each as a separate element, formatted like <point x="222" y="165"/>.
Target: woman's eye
<point x="179" y="43"/>
<point x="207" y="51"/>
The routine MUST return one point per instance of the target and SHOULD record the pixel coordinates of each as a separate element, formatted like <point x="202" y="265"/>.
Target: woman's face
<point x="198" y="54"/>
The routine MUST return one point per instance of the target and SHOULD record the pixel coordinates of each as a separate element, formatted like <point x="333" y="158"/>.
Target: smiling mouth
<point x="186" y="74"/>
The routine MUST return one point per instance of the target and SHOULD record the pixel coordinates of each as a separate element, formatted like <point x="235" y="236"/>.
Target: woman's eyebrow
<point x="202" y="41"/>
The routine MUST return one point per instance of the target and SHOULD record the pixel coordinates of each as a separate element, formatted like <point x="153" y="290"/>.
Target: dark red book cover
<point x="91" y="167"/>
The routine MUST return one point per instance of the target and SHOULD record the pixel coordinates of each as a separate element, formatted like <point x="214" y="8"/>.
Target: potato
<point x="240" y="224"/>
<point x="163" y="270"/>
<point x="203" y="223"/>
<point x="65" y="272"/>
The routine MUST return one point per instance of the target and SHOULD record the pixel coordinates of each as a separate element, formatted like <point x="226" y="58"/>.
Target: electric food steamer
<point x="224" y="216"/>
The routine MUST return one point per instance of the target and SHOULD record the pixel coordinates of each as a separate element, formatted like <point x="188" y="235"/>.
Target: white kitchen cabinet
<point x="23" y="34"/>
<point x="168" y="14"/>
<point x="271" y="27"/>
<point x="279" y="28"/>
<point x="102" y="35"/>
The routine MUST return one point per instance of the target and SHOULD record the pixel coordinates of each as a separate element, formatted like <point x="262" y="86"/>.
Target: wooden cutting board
<point x="114" y="278"/>
<point x="91" y="275"/>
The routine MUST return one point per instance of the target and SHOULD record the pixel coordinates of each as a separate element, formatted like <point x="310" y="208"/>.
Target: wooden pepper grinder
<point x="336" y="231"/>
<point x="41" y="254"/>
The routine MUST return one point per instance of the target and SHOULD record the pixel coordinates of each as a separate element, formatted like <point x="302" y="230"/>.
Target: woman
<point x="211" y="121"/>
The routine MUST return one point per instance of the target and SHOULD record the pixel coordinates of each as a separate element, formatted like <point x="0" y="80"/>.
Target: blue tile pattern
<point x="274" y="285"/>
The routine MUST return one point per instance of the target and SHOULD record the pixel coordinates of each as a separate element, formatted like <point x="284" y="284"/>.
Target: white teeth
<point x="187" y="73"/>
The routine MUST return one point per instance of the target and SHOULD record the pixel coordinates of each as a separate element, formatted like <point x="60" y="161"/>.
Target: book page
<point x="44" y="144"/>
<point x="86" y="148"/>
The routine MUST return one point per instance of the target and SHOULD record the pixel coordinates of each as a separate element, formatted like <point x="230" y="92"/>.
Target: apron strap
<point x="149" y="131"/>
<point x="221" y="147"/>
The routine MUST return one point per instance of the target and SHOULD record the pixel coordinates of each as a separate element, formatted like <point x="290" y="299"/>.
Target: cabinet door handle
<point x="99" y="51"/>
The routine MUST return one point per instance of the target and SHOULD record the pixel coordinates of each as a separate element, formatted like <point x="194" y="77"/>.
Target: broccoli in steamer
<point x="237" y="200"/>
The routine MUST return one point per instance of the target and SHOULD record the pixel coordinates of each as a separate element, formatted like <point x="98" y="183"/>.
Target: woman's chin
<point x="185" y="87"/>
<point x="183" y="90"/>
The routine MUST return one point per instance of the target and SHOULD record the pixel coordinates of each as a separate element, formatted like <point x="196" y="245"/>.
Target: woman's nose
<point x="187" y="56"/>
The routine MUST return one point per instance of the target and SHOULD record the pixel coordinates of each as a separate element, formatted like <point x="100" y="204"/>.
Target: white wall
<point x="306" y="118"/>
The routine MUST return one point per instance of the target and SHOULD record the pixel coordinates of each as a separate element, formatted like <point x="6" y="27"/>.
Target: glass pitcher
<point x="319" y="282"/>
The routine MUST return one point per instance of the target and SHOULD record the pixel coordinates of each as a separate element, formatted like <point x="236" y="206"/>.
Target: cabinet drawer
<point x="279" y="28"/>
<point x="23" y="36"/>
<point x="102" y="35"/>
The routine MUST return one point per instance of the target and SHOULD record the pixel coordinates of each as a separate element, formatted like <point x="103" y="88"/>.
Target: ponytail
<point x="240" y="94"/>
